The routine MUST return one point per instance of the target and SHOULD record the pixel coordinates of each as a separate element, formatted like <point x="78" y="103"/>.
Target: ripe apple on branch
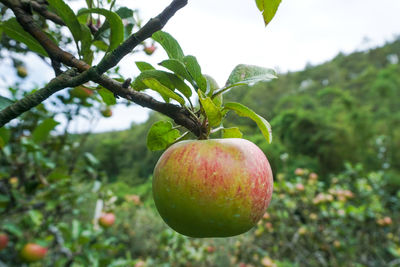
<point x="207" y="187"/>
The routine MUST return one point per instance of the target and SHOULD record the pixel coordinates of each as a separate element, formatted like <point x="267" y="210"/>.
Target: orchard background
<point x="335" y="153"/>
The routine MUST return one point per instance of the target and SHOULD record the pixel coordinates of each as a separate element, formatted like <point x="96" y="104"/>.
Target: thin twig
<point x="44" y="12"/>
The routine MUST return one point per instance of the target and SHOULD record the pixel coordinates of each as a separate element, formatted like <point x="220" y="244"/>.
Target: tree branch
<point x="67" y="79"/>
<point x="152" y="26"/>
<point x="180" y="115"/>
<point x="29" y="25"/>
<point x="42" y="10"/>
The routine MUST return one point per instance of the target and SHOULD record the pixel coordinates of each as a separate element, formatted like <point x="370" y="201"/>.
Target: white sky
<point x="224" y="33"/>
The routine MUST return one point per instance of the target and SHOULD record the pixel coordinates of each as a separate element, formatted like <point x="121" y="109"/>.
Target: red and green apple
<point x="212" y="188"/>
<point x="32" y="252"/>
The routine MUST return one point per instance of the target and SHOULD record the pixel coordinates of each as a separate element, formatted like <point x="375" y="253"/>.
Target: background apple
<point x="107" y="112"/>
<point x="107" y="220"/>
<point x="212" y="188"/>
<point x="81" y="92"/>
<point x="22" y="72"/>
<point x="33" y="252"/>
<point x="3" y="240"/>
<point x="149" y="50"/>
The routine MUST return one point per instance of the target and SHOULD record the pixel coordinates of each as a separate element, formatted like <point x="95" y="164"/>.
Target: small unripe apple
<point x="106" y="112"/>
<point x="336" y="244"/>
<point x="33" y="252"/>
<point x="3" y="240"/>
<point x="149" y="50"/>
<point x="313" y="176"/>
<point x="212" y="188"/>
<point x="80" y="92"/>
<point x="300" y="187"/>
<point x="22" y="72"/>
<point x="299" y="172"/>
<point x="13" y="181"/>
<point x="107" y="220"/>
<point x="388" y="220"/>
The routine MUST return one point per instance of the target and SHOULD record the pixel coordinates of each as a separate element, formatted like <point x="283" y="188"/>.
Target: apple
<point x="212" y="188"/>
<point x="106" y="112"/>
<point x="313" y="176"/>
<point x="149" y="50"/>
<point x="211" y="249"/>
<point x="299" y="172"/>
<point x="22" y="72"/>
<point x="300" y="187"/>
<point x="3" y="240"/>
<point x="107" y="220"/>
<point x="33" y="252"/>
<point x="81" y="92"/>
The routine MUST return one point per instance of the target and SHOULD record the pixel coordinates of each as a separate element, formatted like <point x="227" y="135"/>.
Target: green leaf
<point x="89" y="3"/>
<point x="43" y="130"/>
<point x="244" y="111"/>
<point x="163" y="90"/>
<point x="12" y="28"/>
<point x="142" y="66"/>
<point x="85" y="44"/>
<point x="100" y="45"/>
<point x="116" y="25"/>
<point x="107" y="96"/>
<point x="68" y="16"/>
<point x="212" y="86"/>
<point x="249" y="75"/>
<point x="13" y="229"/>
<point x="180" y="85"/>
<point x="4" y="199"/>
<point x="213" y="112"/>
<point x="161" y="135"/>
<point x="76" y="229"/>
<point x="167" y="79"/>
<point x="177" y="67"/>
<point x="5" y="135"/>
<point x="194" y="69"/>
<point x="5" y="102"/>
<point x="170" y="45"/>
<point x="233" y="132"/>
<point x="36" y="217"/>
<point x="91" y="158"/>
<point x="124" y="13"/>
<point x="159" y="75"/>
<point x="268" y="9"/>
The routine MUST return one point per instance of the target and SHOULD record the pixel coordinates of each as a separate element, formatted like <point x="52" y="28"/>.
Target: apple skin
<point x="107" y="220"/>
<point x="33" y="252"/>
<point x="22" y="72"/>
<point x="106" y="113"/>
<point x="149" y="50"/>
<point x="3" y="240"/>
<point x="81" y="92"/>
<point x="212" y="188"/>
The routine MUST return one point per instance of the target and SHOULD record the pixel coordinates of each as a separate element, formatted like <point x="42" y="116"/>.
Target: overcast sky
<point x="224" y="33"/>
